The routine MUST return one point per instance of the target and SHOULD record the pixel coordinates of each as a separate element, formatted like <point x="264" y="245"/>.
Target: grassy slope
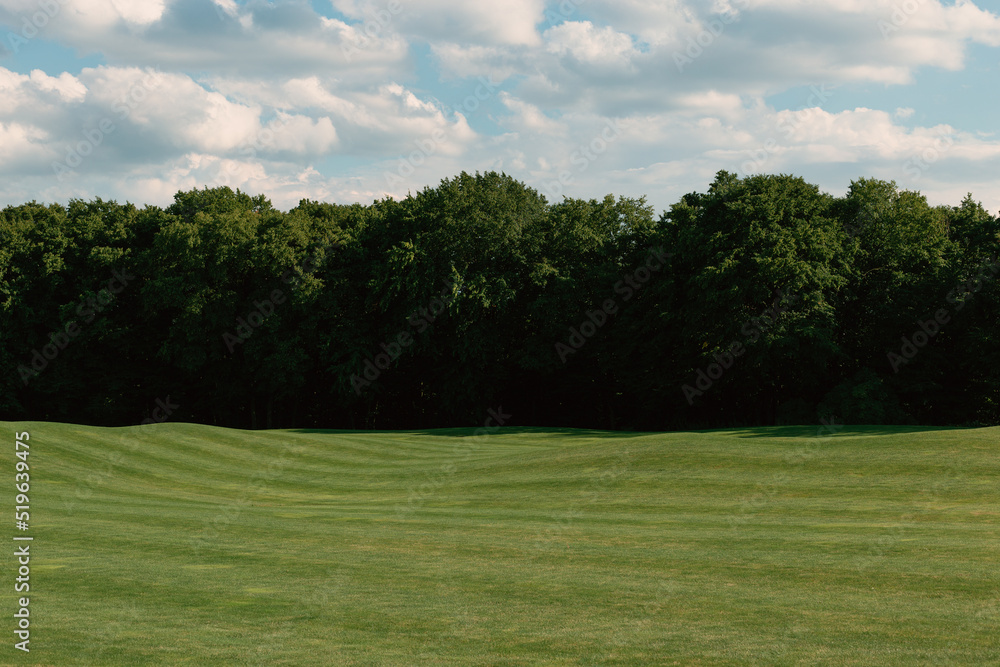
<point x="184" y="544"/>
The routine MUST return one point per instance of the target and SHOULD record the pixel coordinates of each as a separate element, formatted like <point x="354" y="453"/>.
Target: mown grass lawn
<point x="192" y="545"/>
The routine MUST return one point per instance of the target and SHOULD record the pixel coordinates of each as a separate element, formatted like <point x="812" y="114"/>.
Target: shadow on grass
<point x="468" y="431"/>
<point x="809" y="431"/>
<point x="821" y="431"/>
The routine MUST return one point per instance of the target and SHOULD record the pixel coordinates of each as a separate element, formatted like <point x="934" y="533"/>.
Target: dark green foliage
<point x="760" y="301"/>
<point x="864" y="399"/>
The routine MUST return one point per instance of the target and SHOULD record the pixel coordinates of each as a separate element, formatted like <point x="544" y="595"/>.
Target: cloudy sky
<point x="353" y="100"/>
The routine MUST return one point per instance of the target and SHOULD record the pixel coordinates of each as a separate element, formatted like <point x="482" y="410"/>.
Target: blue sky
<point x="354" y="100"/>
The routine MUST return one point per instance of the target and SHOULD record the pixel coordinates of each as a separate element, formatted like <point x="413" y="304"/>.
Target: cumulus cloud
<point x="109" y="117"/>
<point x="512" y="22"/>
<point x="589" y="45"/>
<point x="647" y="52"/>
<point x="267" y="95"/>
<point x="267" y="39"/>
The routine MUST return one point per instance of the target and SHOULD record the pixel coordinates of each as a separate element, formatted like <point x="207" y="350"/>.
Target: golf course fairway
<point x="182" y="544"/>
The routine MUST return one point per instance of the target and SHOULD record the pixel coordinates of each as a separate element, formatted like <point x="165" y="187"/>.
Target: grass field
<point x="192" y="545"/>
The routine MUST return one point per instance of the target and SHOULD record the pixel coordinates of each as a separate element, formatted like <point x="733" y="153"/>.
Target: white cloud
<point x="601" y="47"/>
<point x="267" y="94"/>
<point x="270" y="39"/>
<point x="528" y="117"/>
<point x="376" y="122"/>
<point x="140" y="115"/>
<point x="142" y="12"/>
<point x="173" y="106"/>
<point x="500" y="63"/>
<point x="651" y="52"/>
<point x="510" y="22"/>
<point x="300" y="135"/>
<point x="20" y="142"/>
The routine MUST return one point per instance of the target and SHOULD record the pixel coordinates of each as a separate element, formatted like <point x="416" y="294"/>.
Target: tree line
<point x="760" y="301"/>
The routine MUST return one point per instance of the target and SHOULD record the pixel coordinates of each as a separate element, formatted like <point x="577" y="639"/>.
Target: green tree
<point x="757" y="261"/>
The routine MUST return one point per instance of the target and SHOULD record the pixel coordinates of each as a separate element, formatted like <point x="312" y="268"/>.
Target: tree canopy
<point x="762" y="300"/>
